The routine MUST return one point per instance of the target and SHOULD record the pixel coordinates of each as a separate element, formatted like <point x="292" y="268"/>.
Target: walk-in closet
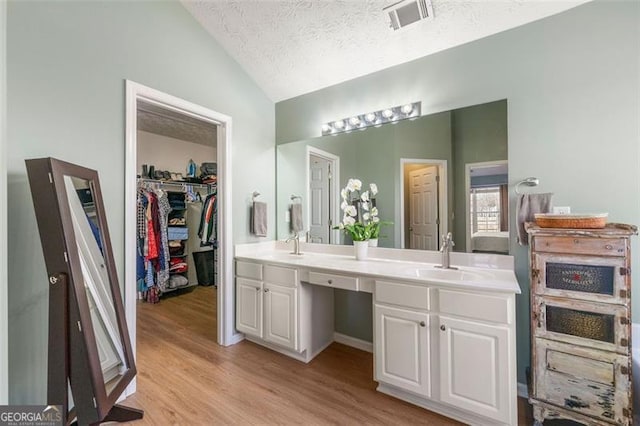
<point x="176" y="209"/>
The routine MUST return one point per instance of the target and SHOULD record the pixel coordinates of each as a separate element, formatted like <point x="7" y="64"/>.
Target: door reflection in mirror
<point x="96" y="279"/>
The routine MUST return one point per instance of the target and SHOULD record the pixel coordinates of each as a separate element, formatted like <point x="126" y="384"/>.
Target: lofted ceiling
<point x="293" y="47"/>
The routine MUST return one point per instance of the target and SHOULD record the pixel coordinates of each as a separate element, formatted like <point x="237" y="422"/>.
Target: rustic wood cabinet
<point x="581" y="324"/>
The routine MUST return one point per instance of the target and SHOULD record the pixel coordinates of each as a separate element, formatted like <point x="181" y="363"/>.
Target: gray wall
<point x="4" y="330"/>
<point x="479" y="134"/>
<point x="67" y="62"/>
<point x="572" y="85"/>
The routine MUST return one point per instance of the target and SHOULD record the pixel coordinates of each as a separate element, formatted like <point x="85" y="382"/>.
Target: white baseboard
<point x="363" y="345"/>
<point x="523" y="390"/>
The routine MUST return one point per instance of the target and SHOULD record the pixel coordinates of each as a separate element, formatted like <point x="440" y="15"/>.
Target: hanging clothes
<point x="152" y="263"/>
<point x="207" y="231"/>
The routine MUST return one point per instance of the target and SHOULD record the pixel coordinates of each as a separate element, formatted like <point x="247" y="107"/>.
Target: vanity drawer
<point x="333" y="280"/>
<point x="472" y="305"/>
<point x="282" y="276"/>
<point x="582" y="245"/>
<point x="401" y="294"/>
<point x="249" y="270"/>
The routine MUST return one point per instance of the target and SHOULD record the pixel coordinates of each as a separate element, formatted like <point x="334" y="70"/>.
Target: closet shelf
<point x="180" y="184"/>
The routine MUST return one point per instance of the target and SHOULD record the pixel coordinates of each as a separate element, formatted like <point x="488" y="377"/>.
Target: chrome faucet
<point x="445" y="249"/>
<point x="296" y="243"/>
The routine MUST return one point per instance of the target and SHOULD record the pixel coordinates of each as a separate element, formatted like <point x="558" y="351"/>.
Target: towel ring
<point x="530" y="181"/>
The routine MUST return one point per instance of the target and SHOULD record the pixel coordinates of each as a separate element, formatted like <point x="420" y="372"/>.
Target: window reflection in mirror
<point x="487" y="207"/>
<point x="451" y="140"/>
<point x="96" y="280"/>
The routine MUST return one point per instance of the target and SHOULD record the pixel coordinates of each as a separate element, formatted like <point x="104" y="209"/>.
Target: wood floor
<point x="185" y="378"/>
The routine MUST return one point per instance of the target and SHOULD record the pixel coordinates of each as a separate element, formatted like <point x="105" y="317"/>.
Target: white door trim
<point x="442" y="194"/>
<point x="135" y="92"/>
<point x="335" y="188"/>
<point x="4" y="286"/>
<point x="467" y="188"/>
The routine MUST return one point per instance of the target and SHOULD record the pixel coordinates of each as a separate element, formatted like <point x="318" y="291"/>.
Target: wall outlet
<point x="287" y="216"/>
<point x="562" y="210"/>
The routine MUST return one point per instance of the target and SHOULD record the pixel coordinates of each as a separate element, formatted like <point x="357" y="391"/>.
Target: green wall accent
<point x="479" y="134"/>
<point x="67" y="65"/>
<point x="572" y="82"/>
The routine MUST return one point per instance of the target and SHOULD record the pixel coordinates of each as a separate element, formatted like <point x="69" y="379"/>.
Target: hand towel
<point x="528" y="205"/>
<point x="296" y="217"/>
<point x="259" y="219"/>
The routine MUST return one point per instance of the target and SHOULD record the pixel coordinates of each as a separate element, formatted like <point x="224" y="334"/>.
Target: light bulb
<point x="387" y="113"/>
<point x="339" y="124"/>
<point x="354" y="121"/>
<point x="370" y="117"/>
<point x="406" y="109"/>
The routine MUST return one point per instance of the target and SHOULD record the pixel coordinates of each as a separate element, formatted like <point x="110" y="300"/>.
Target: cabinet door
<point x="281" y="315"/>
<point x="474" y="367"/>
<point x="402" y="349"/>
<point x="249" y="306"/>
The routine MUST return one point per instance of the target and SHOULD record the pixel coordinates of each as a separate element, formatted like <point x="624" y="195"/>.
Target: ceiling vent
<point x="406" y="12"/>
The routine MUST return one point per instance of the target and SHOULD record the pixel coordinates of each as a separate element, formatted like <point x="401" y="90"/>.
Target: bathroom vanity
<point x="443" y="339"/>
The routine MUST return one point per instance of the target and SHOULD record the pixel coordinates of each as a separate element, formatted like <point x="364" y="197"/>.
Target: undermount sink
<point x="453" y="274"/>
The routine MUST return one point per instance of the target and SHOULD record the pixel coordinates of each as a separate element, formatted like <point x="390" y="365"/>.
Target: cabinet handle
<point x="422" y="324"/>
<point x="257" y="288"/>
<point x="608" y="246"/>
<point x="330" y="281"/>
<point x="442" y="327"/>
<point x="266" y="290"/>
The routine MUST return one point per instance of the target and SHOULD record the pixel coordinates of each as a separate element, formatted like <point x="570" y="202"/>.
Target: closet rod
<point x="180" y="184"/>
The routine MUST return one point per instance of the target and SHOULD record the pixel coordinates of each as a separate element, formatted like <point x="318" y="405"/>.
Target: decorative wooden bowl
<point x="571" y="221"/>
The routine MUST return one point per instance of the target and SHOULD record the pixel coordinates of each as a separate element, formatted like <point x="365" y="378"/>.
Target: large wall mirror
<point x="89" y="346"/>
<point x="438" y="173"/>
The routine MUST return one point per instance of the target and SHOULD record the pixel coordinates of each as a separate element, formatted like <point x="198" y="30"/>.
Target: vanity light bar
<point x="375" y="118"/>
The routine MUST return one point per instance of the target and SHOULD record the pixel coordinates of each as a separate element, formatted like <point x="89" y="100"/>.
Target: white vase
<point x="362" y="249"/>
<point x="373" y="242"/>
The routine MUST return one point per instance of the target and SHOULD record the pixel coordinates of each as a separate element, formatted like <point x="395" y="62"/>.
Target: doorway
<point x="423" y="205"/>
<point x="323" y="177"/>
<point x="136" y="95"/>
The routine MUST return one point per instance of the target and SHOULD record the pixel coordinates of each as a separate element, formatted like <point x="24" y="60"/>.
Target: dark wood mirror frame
<point x="73" y="358"/>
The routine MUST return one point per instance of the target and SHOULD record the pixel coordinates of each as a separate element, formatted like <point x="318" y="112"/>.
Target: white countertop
<point x="497" y="276"/>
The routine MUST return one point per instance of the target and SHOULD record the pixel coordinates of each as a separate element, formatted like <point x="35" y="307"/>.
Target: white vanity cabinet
<point x="449" y="351"/>
<point x="275" y="309"/>
<point x="267" y="303"/>
<point x="402" y="349"/>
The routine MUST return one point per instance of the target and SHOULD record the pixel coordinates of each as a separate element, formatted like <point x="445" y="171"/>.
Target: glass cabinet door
<point x="595" y="278"/>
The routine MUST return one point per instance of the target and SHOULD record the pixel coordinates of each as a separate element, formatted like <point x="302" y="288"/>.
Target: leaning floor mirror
<point x="89" y="347"/>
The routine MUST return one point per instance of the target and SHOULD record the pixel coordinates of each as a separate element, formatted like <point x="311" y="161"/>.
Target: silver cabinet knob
<point x="330" y="281"/>
<point x="257" y="288"/>
<point x="442" y="327"/>
<point x="422" y="324"/>
<point x="266" y="290"/>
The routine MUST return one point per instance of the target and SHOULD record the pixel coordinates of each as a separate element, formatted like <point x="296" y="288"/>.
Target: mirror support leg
<point x="58" y="357"/>
<point x="120" y="413"/>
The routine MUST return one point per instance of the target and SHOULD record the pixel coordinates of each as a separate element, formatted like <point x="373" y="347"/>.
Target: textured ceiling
<point x="292" y="47"/>
<point x="165" y="122"/>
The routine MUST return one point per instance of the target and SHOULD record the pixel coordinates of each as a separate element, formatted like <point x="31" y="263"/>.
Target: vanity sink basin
<point x="453" y="274"/>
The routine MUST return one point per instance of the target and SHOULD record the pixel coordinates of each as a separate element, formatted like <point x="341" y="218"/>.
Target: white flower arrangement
<point x="364" y="224"/>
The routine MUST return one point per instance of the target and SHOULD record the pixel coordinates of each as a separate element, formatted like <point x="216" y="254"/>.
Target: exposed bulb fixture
<point x="374" y="118"/>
